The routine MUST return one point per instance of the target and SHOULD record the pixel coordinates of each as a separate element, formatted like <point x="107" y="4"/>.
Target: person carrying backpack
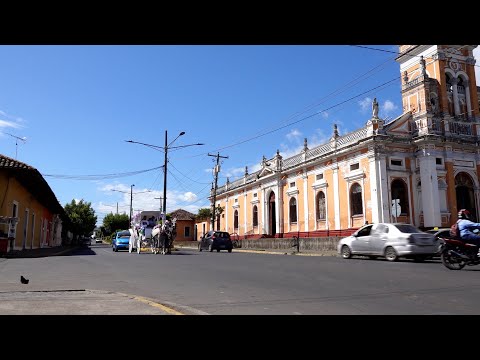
<point x="466" y="227"/>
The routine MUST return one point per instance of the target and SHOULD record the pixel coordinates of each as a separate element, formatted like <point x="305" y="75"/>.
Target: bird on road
<point x="23" y="280"/>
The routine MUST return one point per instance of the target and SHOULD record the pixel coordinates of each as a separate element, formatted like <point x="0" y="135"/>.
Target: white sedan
<point x="391" y="241"/>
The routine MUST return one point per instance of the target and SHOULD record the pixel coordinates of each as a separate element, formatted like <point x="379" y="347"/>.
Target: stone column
<point x="467" y="98"/>
<point x="279" y="220"/>
<point x="455" y="96"/>
<point x="374" y="198"/>
<point x="245" y="212"/>
<point x="336" y="197"/>
<point x="305" y="201"/>
<point x="430" y="195"/>
<point x="264" y="215"/>
<point x="384" y="215"/>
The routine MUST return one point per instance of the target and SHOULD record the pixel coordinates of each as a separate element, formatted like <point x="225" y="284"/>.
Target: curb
<point x="279" y="252"/>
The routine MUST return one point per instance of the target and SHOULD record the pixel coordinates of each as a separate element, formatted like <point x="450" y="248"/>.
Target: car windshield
<point x="409" y="229"/>
<point x="124" y="234"/>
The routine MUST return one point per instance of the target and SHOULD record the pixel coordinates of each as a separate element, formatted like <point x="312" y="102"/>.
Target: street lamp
<point x="165" y="149"/>
<point x="131" y="198"/>
<point x="159" y="198"/>
<point x="24" y="139"/>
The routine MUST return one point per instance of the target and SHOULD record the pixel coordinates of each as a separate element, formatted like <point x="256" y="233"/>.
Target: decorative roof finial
<point x="305" y="146"/>
<point x="335" y="131"/>
<point x="246" y="170"/>
<point x="375" y="108"/>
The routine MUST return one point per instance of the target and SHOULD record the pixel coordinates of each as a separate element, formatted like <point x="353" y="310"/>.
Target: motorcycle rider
<point x="466" y="227"/>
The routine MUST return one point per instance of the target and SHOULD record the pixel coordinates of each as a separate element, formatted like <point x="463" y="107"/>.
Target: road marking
<point x="160" y="306"/>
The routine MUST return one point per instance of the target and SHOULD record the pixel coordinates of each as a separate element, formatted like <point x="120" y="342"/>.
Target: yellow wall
<point x="10" y="191"/>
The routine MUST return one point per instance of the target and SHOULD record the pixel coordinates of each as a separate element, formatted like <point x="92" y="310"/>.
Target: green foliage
<point x="115" y="222"/>
<point x="219" y="210"/>
<point x="204" y="213"/>
<point x="82" y="218"/>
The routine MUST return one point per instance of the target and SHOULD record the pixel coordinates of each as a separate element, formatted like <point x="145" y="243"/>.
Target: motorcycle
<point x="456" y="254"/>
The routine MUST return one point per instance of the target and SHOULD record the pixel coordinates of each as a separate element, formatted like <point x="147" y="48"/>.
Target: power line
<point x="101" y="177"/>
<point x="187" y="176"/>
<point x="307" y="117"/>
<point x="394" y="52"/>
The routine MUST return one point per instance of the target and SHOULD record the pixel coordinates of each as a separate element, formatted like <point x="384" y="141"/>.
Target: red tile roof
<point x="33" y="181"/>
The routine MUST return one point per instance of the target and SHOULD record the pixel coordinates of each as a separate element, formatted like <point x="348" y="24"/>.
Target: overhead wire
<point x="99" y="176"/>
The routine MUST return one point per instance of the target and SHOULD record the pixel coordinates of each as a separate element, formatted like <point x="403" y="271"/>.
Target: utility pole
<point x="117" y="207"/>
<point x="159" y="198"/>
<point x="216" y="170"/>
<point x="131" y="200"/>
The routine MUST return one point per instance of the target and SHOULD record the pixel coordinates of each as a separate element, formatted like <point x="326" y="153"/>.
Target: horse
<point x="163" y="237"/>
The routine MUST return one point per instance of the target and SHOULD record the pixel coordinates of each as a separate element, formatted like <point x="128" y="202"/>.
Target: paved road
<point x="189" y="282"/>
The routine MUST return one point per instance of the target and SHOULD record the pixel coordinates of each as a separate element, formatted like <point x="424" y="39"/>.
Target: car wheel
<point x="210" y="247"/>
<point x="391" y="254"/>
<point x="218" y="250"/>
<point x="346" y="252"/>
<point x="113" y="249"/>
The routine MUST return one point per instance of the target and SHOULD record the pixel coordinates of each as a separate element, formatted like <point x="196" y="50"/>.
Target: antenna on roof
<point x="24" y="139"/>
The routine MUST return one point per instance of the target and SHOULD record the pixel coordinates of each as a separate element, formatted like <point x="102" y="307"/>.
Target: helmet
<point x="463" y="214"/>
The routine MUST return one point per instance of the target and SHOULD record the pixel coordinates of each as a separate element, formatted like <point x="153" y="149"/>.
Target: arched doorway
<point x="464" y="193"/>
<point x="272" y="219"/>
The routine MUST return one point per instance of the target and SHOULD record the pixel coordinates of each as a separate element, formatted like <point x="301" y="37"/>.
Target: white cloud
<point x="388" y="106"/>
<point x="188" y="196"/>
<point x="365" y="104"/>
<point x="234" y="172"/>
<point x="325" y="114"/>
<point x="9" y="124"/>
<point x="293" y="135"/>
<point x="476" y="54"/>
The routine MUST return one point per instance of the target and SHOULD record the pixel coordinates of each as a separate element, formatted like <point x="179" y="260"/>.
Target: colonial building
<point x="419" y="168"/>
<point x="27" y="197"/>
<point x="184" y="225"/>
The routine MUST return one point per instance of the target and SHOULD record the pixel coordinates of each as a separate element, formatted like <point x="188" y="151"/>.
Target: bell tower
<point x="439" y="87"/>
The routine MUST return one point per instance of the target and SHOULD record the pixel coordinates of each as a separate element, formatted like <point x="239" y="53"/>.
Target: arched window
<point x="356" y="206"/>
<point x="255" y="216"/>
<point x="235" y="219"/>
<point x="321" y="208"/>
<point x="293" y="210"/>
<point x="400" y="191"/>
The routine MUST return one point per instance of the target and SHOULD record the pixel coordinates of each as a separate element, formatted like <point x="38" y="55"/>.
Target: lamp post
<point x="24" y="139"/>
<point x="159" y="198"/>
<point x="131" y="198"/>
<point x="165" y="149"/>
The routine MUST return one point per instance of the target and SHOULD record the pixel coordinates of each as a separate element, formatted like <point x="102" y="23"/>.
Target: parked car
<point x="120" y="241"/>
<point x="216" y="240"/>
<point x="392" y="241"/>
<point x="440" y="234"/>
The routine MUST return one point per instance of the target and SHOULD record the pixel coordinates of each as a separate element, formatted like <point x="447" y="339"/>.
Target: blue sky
<point x="76" y="105"/>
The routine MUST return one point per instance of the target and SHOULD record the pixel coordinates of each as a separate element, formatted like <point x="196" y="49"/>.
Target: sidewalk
<point x="33" y="299"/>
<point x="41" y="252"/>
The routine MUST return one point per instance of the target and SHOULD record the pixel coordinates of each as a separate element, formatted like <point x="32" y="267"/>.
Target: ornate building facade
<point x="419" y="168"/>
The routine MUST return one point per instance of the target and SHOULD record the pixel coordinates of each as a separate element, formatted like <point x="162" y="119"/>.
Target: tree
<point x="204" y="213"/>
<point x="114" y="222"/>
<point x="82" y="218"/>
